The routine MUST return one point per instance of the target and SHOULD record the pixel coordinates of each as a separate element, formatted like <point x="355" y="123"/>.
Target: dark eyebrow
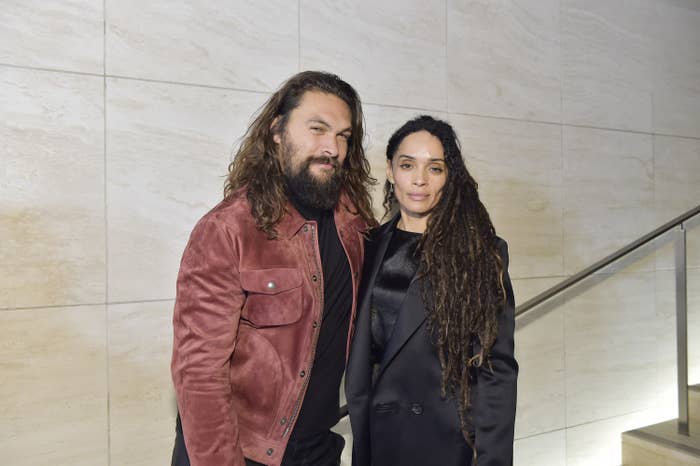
<point x="413" y="158"/>
<point x="318" y="121"/>
<point x="321" y="121"/>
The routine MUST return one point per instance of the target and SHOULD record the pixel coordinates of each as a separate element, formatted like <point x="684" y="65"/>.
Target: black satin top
<point x="394" y="276"/>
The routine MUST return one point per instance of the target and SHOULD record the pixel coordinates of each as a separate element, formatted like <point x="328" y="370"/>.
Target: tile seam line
<point x="105" y="303"/>
<point x="447" y="58"/>
<point x="51" y="70"/>
<point x="132" y="78"/>
<point x="261" y="92"/>
<point x="599" y="273"/>
<point x="553" y="123"/>
<point x="565" y="428"/>
<point x="106" y="235"/>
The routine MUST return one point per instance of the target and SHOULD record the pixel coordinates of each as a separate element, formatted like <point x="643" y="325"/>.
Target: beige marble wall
<point x="142" y="404"/>
<point x="54" y="386"/>
<point x="236" y="44"/>
<point x="167" y="149"/>
<point x="579" y="119"/>
<point x="69" y="36"/>
<point x="387" y="50"/>
<point x="504" y="58"/>
<point x="52" y="232"/>
<point x="606" y="63"/>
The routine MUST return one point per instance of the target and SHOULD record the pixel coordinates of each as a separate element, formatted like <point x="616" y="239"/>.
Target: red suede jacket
<point x="247" y="318"/>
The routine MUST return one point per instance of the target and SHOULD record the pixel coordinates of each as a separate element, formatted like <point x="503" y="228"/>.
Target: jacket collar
<point x="345" y="215"/>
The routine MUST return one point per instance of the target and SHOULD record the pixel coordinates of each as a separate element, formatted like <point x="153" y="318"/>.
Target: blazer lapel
<point x="359" y="370"/>
<point x="377" y="252"/>
<point x="411" y="316"/>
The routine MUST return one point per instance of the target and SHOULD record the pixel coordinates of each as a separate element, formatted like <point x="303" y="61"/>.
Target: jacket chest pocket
<point x="273" y="296"/>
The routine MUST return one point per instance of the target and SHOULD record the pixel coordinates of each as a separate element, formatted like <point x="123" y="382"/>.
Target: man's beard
<point x="306" y="188"/>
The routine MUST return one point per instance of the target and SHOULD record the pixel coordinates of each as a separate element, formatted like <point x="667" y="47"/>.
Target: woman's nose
<point x="419" y="178"/>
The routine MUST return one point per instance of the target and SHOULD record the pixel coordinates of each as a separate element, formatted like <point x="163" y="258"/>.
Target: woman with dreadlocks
<point x="431" y="379"/>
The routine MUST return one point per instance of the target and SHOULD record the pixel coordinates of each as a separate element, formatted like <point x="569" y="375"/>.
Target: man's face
<point x="313" y="147"/>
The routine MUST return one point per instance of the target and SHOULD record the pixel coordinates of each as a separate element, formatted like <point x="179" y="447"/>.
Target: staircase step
<point x="661" y="445"/>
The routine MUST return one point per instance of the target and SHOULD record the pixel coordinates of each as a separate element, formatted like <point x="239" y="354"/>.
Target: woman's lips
<point x="417" y="196"/>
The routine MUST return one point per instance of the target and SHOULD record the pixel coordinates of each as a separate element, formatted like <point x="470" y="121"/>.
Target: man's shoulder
<point x="348" y="215"/>
<point x="232" y="212"/>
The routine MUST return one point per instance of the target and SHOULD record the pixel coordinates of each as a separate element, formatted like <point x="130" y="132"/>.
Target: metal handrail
<point x="604" y="262"/>
<point x="681" y="299"/>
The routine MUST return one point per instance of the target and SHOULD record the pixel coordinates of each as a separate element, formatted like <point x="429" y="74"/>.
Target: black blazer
<point x="402" y="420"/>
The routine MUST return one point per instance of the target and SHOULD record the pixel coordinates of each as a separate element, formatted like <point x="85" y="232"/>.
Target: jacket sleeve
<point x="205" y="323"/>
<point x="493" y="406"/>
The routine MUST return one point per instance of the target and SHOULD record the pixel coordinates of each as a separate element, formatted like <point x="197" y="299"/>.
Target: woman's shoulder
<point x="501" y="244"/>
<point x="502" y="249"/>
<point x="376" y="233"/>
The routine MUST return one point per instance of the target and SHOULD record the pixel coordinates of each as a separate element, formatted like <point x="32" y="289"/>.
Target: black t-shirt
<point x="319" y="411"/>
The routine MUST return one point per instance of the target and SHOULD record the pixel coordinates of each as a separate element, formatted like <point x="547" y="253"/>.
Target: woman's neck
<point x="412" y="224"/>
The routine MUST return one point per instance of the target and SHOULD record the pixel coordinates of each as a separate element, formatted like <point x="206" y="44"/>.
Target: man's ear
<point x="275" y="130"/>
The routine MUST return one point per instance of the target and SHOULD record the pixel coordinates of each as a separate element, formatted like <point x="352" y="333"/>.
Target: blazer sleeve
<point x="205" y="323"/>
<point x="493" y="406"/>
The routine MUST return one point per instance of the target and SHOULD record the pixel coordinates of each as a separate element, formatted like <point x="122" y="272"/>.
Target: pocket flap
<point x="270" y="281"/>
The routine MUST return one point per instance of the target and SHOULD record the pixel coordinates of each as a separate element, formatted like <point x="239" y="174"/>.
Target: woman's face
<point x="418" y="173"/>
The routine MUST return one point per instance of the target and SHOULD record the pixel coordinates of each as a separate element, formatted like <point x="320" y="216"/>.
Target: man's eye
<point x="345" y="136"/>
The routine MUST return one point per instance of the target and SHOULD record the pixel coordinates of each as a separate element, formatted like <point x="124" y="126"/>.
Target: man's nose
<point x="329" y="146"/>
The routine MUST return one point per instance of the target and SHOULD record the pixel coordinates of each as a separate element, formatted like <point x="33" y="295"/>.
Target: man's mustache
<point x="325" y="160"/>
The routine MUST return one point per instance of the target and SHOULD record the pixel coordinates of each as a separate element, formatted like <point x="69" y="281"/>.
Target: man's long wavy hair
<point x="464" y="290"/>
<point x="257" y="167"/>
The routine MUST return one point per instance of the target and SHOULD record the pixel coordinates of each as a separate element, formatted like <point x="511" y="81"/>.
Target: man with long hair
<point x="267" y="286"/>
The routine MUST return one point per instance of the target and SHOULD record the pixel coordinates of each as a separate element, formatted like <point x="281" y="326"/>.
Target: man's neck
<point x="306" y="211"/>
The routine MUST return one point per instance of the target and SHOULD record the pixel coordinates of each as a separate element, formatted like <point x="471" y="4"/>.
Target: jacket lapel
<point x="359" y="370"/>
<point x="411" y="316"/>
<point x="377" y="252"/>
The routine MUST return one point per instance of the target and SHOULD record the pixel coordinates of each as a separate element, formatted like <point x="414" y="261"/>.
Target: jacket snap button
<point x="283" y="421"/>
<point x="270" y="451"/>
<point x="416" y="408"/>
<point x="306" y="228"/>
<point x="302" y="373"/>
<point x="315" y="324"/>
<point x="314" y="278"/>
<point x="271" y="285"/>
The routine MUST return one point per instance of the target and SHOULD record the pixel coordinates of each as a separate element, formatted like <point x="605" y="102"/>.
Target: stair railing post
<point x="682" y="328"/>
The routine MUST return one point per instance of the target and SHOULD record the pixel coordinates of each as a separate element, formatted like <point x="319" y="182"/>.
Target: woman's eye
<point x="436" y="169"/>
<point x="405" y="166"/>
